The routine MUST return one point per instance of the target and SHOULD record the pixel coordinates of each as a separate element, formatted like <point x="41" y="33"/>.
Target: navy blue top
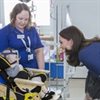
<point x="9" y="38"/>
<point x="90" y="57"/>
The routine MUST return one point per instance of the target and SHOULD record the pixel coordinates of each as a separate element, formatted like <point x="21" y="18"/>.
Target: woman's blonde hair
<point x="16" y="10"/>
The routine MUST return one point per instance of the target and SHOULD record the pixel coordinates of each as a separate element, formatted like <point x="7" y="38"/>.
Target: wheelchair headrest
<point x="11" y="55"/>
<point x="8" y="52"/>
<point x="4" y="63"/>
<point x="8" y="57"/>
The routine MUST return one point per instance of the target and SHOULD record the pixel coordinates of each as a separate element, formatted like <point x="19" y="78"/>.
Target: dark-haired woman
<point x="87" y="51"/>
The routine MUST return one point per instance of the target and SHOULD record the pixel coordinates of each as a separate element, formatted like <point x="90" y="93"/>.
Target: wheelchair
<point x="19" y="87"/>
<point x="21" y="83"/>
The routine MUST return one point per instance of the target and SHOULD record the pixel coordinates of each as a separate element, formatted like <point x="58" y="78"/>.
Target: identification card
<point x="20" y="36"/>
<point x="30" y="56"/>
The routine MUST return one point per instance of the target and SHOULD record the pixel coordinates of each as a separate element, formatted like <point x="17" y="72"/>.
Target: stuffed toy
<point x="44" y="93"/>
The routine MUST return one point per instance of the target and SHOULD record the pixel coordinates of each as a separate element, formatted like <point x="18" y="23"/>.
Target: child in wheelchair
<point x="11" y="70"/>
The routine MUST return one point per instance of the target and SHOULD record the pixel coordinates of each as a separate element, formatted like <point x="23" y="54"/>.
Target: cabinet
<point x="56" y="69"/>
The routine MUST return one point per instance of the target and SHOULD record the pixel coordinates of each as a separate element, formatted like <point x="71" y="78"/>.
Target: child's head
<point x="11" y="55"/>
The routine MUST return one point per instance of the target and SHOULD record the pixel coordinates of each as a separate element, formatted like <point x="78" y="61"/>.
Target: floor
<point x="74" y="90"/>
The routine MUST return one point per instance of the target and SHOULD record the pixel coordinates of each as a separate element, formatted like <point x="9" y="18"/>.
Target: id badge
<point x="30" y="56"/>
<point x="20" y="36"/>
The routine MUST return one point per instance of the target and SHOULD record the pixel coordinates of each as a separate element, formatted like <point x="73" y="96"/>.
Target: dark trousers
<point x="93" y="85"/>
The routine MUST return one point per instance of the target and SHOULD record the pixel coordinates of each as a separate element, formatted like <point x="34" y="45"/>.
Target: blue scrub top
<point x="10" y="38"/>
<point x="90" y="57"/>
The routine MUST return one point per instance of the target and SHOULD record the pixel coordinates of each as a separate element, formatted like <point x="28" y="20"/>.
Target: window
<point x="40" y="10"/>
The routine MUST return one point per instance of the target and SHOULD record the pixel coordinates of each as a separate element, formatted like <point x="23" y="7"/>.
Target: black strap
<point x="7" y="93"/>
<point x="4" y="63"/>
<point x="1" y="98"/>
<point x="8" y="86"/>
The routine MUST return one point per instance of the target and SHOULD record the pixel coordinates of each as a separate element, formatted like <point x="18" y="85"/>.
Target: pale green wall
<point x="1" y="12"/>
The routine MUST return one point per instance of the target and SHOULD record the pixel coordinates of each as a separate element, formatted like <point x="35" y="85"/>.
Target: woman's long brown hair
<point x="79" y="41"/>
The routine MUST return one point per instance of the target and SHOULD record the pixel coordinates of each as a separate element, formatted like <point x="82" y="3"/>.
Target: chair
<point x="22" y="89"/>
<point x="24" y="85"/>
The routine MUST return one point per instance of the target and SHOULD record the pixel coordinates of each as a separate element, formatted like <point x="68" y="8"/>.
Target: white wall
<point x="84" y="13"/>
<point x="8" y="6"/>
<point x="41" y="15"/>
<point x="1" y="13"/>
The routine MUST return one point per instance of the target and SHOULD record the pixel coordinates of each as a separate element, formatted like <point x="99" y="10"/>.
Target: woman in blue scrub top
<point x="81" y="51"/>
<point x="21" y="36"/>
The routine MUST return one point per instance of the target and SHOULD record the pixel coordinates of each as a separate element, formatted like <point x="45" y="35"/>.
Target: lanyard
<point x="28" y="48"/>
